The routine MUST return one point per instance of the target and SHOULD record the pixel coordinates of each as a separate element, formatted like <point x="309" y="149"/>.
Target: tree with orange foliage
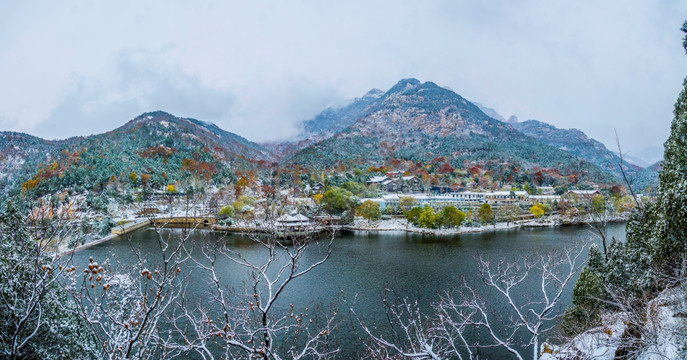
<point x="268" y="191"/>
<point x="243" y="182"/>
<point x="144" y="179"/>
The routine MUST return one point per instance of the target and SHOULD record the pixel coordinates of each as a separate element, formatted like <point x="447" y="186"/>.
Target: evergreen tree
<point x="670" y="238"/>
<point x="656" y="238"/>
<point x="589" y="288"/>
<point x="35" y="317"/>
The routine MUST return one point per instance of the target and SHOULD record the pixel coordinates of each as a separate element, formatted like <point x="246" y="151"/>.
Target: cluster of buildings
<point x="470" y="199"/>
<point x="398" y="186"/>
<point x="395" y="184"/>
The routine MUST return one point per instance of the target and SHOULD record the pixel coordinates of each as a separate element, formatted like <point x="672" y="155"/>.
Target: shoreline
<point x="456" y="231"/>
<point x="87" y="245"/>
<point x="402" y="225"/>
<point x="393" y="225"/>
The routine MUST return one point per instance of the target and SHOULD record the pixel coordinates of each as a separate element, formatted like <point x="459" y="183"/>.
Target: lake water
<point x="363" y="264"/>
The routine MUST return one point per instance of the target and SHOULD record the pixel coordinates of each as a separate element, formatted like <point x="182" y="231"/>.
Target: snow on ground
<point x="664" y="335"/>
<point x="400" y="224"/>
<point x="667" y="326"/>
<point x="598" y="343"/>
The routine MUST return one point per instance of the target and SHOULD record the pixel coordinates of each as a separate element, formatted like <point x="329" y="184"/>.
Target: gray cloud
<point x="257" y="69"/>
<point x="138" y="85"/>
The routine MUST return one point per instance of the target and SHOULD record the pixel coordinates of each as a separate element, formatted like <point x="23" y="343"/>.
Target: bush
<point x="226" y="212"/>
<point x="428" y="218"/>
<point x="537" y="210"/>
<point x="392" y="209"/>
<point x="226" y="222"/>
<point x="452" y="217"/>
<point x="97" y="202"/>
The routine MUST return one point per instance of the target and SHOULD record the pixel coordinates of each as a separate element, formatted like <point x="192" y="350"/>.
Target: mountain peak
<point x="162" y="116"/>
<point x="158" y="115"/>
<point x="374" y="93"/>
<point x="404" y="84"/>
<point x="489" y="111"/>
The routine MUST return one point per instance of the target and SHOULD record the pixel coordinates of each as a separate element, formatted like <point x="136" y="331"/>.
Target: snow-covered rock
<point x="598" y="343"/>
<point x="664" y="334"/>
<point x="666" y="326"/>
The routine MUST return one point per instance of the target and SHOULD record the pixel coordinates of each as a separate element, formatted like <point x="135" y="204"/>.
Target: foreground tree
<point x="670" y="239"/>
<point x="506" y="313"/>
<point x="36" y="319"/>
<point x="533" y="314"/>
<point x="126" y="308"/>
<point x="598" y="217"/>
<point x="651" y="260"/>
<point x="246" y="324"/>
<point x="409" y="333"/>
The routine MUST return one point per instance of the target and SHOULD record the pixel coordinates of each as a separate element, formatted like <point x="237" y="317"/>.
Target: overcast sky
<point x="258" y="69"/>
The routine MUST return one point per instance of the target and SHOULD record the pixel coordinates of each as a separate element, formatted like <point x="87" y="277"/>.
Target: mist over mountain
<point x="577" y="143"/>
<point x="646" y="157"/>
<point x="490" y="112"/>
<point x="334" y="119"/>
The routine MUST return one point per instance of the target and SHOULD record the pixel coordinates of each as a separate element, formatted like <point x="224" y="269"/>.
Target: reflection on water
<point x="363" y="264"/>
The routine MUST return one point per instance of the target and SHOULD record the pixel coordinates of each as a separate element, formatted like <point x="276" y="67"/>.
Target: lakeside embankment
<point x="391" y="225"/>
<point x="400" y="224"/>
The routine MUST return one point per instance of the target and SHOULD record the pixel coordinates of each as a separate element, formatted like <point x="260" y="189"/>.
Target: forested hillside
<point x="646" y="180"/>
<point x="153" y="150"/>
<point x="577" y="143"/>
<point x="19" y="155"/>
<point x="417" y="122"/>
